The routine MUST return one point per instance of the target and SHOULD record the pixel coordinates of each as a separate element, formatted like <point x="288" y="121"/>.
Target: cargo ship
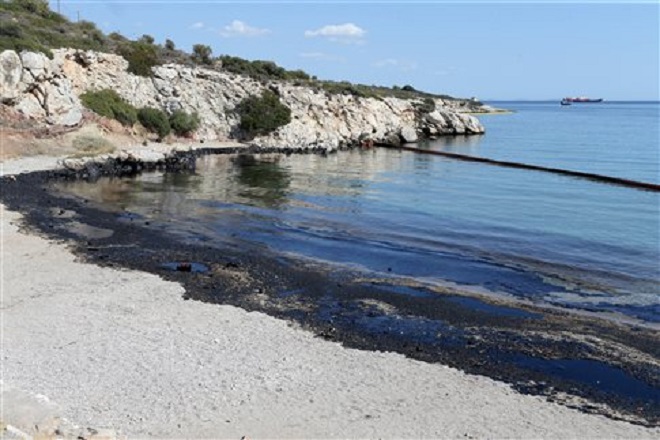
<point x="581" y="99"/>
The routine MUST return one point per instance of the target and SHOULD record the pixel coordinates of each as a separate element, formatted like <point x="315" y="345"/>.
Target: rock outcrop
<point x="48" y="91"/>
<point x="38" y="88"/>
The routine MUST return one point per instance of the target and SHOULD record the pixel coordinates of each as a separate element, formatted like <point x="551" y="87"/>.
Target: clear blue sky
<point x="491" y="50"/>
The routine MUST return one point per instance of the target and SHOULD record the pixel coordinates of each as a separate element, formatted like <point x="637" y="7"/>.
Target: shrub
<point x="21" y="44"/>
<point x="86" y="26"/>
<point x="183" y="123"/>
<point x="426" y="106"/>
<point x="155" y="120"/>
<point x="125" y="113"/>
<point x="263" y="114"/>
<point x="297" y="74"/>
<point x="91" y="145"/>
<point x="109" y="104"/>
<point x="260" y="69"/>
<point x="116" y="36"/>
<point x="141" y="57"/>
<point x="11" y="30"/>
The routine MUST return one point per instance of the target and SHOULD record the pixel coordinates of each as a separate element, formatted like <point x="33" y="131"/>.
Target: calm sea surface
<point x="544" y="237"/>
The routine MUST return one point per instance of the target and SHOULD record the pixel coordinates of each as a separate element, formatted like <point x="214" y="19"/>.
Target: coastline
<point x="199" y="369"/>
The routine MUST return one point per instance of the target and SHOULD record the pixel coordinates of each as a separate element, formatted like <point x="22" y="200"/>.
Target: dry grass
<point x="86" y="145"/>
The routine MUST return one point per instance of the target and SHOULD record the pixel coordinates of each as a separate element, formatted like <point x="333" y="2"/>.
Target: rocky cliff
<point x="47" y="91"/>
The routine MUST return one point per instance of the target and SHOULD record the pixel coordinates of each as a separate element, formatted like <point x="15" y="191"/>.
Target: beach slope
<point x="118" y="349"/>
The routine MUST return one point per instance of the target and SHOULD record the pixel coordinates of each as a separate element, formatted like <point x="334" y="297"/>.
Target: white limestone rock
<point x="37" y="66"/>
<point x="409" y="134"/>
<point x="48" y="90"/>
<point x="10" y="79"/>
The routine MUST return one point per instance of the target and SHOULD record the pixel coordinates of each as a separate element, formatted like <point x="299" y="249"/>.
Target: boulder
<point x="391" y="138"/>
<point x="30" y="106"/>
<point x="10" y="79"/>
<point x="63" y="105"/>
<point x="409" y="134"/>
<point x="36" y="65"/>
<point x="85" y="58"/>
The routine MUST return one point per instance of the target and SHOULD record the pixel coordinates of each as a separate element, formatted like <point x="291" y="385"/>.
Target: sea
<point x="527" y="235"/>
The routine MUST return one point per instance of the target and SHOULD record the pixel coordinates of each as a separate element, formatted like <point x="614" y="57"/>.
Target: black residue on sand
<point x="537" y="351"/>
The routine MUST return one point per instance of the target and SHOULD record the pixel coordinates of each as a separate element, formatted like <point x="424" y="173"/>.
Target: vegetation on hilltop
<point x="32" y="25"/>
<point x="261" y="70"/>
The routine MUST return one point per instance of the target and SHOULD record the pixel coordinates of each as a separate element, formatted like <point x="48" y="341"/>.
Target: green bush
<point x="426" y="106"/>
<point x="260" y="69"/>
<point x="125" y="113"/>
<point x="263" y="114"/>
<point x="347" y="88"/>
<point x="154" y="120"/>
<point x="21" y="44"/>
<point x="109" y="104"/>
<point x="11" y="30"/>
<point x="141" y="57"/>
<point x="297" y="74"/>
<point x="116" y="36"/>
<point x="183" y="123"/>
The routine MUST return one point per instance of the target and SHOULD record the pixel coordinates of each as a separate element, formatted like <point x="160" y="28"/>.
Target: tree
<point x="169" y="45"/>
<point x="148" y="39"/>
<point x="202" y="53"/>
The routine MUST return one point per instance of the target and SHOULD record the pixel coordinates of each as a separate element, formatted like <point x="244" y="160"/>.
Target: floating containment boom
<point x="591" y="176"/>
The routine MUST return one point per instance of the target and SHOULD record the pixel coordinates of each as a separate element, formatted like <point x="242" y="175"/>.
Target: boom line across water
<point x="520" y="165"/>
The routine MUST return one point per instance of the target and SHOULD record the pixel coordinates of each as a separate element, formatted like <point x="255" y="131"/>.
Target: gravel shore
<point x="85" y="346"/>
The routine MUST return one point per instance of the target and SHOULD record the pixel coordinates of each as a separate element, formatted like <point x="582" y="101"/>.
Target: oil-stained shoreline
<point x="524" y="348"/>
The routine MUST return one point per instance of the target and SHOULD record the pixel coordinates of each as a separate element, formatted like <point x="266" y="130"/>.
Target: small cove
<point x="420" y="317"/>
<point x="540" y="237"/>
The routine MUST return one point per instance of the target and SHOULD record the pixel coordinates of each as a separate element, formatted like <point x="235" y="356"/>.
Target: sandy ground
<point x="117" y="349"/>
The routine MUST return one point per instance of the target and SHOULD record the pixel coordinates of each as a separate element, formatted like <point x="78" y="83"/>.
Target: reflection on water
<point x="455" y="144"/>
<point x="262" y="181"/>
<point x="419" y="216"/>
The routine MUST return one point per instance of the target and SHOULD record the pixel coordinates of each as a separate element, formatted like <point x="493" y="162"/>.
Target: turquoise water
<point x="544" y="237"/>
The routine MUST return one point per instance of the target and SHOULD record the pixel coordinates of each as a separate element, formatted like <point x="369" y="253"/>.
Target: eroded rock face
<point x="36" y="86"/>
<point x="48" y="90"/>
